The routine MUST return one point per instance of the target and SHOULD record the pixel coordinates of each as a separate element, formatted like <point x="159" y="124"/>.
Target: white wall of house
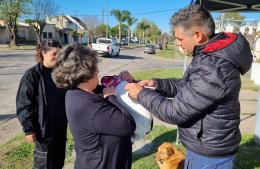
<point x="229" y="28"/>
<point x="56" y="21"/>
<point x="4" y="33"/>
<point x="49" y="32"/>
<point x="4" y="36"/>
<point x="23" y="32"/>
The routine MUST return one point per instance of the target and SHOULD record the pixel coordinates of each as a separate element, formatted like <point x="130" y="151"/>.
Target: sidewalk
<point x="6" y="47"/>
<point x="248" y="103"/>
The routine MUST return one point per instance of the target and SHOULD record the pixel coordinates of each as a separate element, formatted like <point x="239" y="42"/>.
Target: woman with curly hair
<point x="41" y="109"/>
<point x="100" y="126"/>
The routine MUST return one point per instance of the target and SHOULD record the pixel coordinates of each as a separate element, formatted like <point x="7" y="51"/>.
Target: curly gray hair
<point x="75" y="64"/>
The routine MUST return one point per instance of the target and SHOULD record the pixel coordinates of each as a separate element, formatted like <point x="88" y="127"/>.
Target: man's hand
<point x="31" y="138"/>
<point x="148" y="83"/>
<point x="125" y="75"/>
<point x="108" y="92"/>
<point x="133" y="89"/>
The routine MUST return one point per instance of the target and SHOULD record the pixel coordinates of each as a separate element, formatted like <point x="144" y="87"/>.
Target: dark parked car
<point x="159" y="46"/>
<point x="150" y="49"/>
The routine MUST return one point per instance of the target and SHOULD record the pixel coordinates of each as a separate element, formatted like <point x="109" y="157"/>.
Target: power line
<point x="137" y="13"/>
<point x="159" y="11"/>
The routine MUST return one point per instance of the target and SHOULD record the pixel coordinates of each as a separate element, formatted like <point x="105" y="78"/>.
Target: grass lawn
<point x="247" y="156"/>
<point x="158" y="135"/>
<point x="170" y="53"/>
<point x="158" y="73"/>
<point x="18" y="154"/>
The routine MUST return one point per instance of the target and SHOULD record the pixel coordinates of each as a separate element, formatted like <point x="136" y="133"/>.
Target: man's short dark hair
<point x="194" y="16"/>
<point x="75" y="64"/>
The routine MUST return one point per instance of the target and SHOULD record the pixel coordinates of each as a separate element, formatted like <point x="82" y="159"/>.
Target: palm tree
<point x="121" y="16"/>
<point x="143" y="26"/>
<point x="130" y="21"/>
<point x="153" y="32"/>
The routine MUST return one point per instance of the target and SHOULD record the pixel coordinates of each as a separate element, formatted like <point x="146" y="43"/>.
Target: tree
<point x="153" y="32"/>
<point x="124" y="30"/>
<point x="142" y="27"/>
<point x="10" y="11"/>
<point x="130" y="21"/>
<point x="114" y="31"/>
<point x="91" y="23"/>
<point x="40" y="10"/>
<point x="101" y="30"/>
<point x="164" y="38"/>
<point x="234" y="17"/>
<point x="121" y="16"/>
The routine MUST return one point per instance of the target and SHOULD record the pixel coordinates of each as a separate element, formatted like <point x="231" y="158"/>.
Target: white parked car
<point x="106" y="47"/>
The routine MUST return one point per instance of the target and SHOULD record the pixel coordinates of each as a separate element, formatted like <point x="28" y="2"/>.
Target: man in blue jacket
<point x="205" y="103"/>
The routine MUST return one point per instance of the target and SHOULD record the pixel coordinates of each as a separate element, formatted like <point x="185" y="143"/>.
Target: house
<point x="65" y="28"/>
<point x="26" y="34"/>
<point x="71" y="28"/>
<point x="4" y="33"/>
<point x="50" y="32"/>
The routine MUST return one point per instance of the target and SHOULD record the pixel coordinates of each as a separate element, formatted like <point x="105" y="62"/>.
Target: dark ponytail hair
<point x="45" y="47"/>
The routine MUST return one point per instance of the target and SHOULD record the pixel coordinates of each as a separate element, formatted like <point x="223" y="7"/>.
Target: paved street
<point x="14" y="64"/>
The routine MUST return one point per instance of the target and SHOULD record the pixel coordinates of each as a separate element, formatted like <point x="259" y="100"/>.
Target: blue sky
<point x="158" y="11"/>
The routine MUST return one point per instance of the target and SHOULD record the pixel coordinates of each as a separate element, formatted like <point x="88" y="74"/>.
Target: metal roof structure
<point x="229" y="5"/>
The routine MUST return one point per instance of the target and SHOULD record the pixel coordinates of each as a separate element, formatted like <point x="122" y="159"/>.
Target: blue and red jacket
<point x="205" y="103"/>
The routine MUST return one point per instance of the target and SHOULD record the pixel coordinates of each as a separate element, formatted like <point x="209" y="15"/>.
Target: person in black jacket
<point x="41" y="109"/>
<point x="100" y="126"/>
<point x="204" y="104"/>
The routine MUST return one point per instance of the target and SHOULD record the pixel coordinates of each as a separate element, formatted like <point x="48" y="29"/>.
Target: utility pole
<point x="107" y="20"/>
<point x="62" y="31"/>
<point x="103" y="16"/>
<point x="257" y="124"/>
<point x="222" y="22"/>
